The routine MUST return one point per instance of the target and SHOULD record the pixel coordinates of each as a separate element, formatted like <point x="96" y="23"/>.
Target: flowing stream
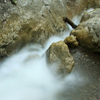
<point x="26" y="75"/>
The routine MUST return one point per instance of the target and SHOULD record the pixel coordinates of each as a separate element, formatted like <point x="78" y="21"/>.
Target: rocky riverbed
<point x="88" y="65"/>
<point x="29" y="24"/>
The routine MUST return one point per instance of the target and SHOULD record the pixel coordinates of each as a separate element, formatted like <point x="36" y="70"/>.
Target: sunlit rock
<point x="59" y="55"/>
<point x="88" y="31"/>
<point x="71" y="41"/>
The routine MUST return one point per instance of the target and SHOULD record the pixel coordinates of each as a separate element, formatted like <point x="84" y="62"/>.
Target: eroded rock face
<point x="88" y="31"/>
<point x="34" y="21"/>
<point x="59" y="53"/>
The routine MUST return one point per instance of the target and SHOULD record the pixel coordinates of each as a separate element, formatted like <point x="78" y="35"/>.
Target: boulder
<point x="88" y="31"/>
<point x="30" y="21"/>
<point x="59" y="55"/>
<point x="34" y="21"/>
<point x="71" y="41"/>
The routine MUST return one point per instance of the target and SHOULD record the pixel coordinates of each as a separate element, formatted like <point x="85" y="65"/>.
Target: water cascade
<point x="26" y="75"/>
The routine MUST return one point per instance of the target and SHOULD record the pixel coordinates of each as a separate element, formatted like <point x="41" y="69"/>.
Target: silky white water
<point x="26" y="75"/>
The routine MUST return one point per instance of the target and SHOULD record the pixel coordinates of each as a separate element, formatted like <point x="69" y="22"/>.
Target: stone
<point x="58" y="54"/>
<point x="34" y="21"/>
<point x="71" y="41"/>
<point x="29" y="21"/>
<point x="88" y="31"/>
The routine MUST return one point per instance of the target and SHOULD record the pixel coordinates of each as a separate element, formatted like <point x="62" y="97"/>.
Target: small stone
<point x="71" y="41"/>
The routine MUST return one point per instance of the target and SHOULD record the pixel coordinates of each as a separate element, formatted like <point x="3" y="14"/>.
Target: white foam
<point x="26" y="76"/>
<point x="89" y="10"/>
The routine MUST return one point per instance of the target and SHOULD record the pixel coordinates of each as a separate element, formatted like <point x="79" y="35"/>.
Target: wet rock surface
<point x="58" y="54"/>
<point x="87" y="64"/>
<point x="88" y="31"/>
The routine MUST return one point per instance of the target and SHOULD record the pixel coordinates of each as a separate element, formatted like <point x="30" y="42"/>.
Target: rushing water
<point x="26" y="75"/>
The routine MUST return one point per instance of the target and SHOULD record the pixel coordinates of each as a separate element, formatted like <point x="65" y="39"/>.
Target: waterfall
<point x="26" y="75"/>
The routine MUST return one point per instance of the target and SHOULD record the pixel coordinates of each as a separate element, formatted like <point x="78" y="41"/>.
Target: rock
<point x="71" y="41"/>
<point x="34" y="21"/>
<point x="59" y="53"/>
<point x="88" y="31"/>
<point x="29" y="22"/>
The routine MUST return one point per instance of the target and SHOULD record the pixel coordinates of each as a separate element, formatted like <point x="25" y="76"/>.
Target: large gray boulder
<point x="34" y="21"/>
<point x="58" y="54"/>
<point x="88" y="31"/>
